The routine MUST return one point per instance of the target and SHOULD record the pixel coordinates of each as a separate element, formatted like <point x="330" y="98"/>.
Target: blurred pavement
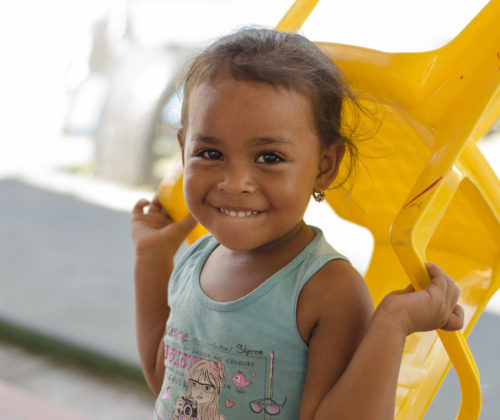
<point x="40" y="386"/>
<point x="67" y="340"/>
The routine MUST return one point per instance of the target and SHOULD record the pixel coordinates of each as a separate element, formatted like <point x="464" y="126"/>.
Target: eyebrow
<point x="272" y="140"/>
<point x="207" y="139"/>
<point x="259" y="141"/>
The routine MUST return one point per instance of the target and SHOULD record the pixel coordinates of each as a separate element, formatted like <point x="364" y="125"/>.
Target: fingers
<point x="440" y="278"/>
<point x="435" y="271"/>
<point x="139" y="206"/>
<point x="449" y="288"/>
<point x="156" y="200"/>
<point x="454" y="313"/>
<point x="154" y="206"/>
<point x="456" y="320"/>
<point x="408" y="289"/>
<point x="184" y="226"/>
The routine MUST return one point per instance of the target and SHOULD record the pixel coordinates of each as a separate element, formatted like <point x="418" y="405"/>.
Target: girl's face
<point x="251" y="161"/>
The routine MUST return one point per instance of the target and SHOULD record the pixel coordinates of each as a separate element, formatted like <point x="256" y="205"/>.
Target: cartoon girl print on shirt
<point x="201" y="401"/>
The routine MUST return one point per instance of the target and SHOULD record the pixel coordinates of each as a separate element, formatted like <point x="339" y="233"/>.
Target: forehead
<point x="259" y="105"/>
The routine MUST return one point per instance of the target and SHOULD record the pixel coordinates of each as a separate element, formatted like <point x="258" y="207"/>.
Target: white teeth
<point x="240" y="214"/>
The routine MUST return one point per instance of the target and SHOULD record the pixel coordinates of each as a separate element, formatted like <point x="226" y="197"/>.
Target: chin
<point x="236" y="244"/>
<point x="236" y="240"/>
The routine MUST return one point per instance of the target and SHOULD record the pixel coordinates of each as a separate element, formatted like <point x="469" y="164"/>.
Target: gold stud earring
<point x="319" y="196"/>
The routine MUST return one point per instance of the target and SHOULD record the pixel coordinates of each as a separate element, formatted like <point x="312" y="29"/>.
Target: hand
<point x="153" y="229"/>
<point x="428" y="309"/>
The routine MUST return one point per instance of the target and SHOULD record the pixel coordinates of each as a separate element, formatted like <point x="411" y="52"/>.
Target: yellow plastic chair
<point x="422" y="187"/>
<point x="423" y="174"/>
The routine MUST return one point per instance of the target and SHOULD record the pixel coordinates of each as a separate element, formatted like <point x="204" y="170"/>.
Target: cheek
<point x="193" y="185"/>
<point x="298" y="183"/>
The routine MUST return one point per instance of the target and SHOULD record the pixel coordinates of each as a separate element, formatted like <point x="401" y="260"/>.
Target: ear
<point x="329" y="164"/>
<point x="181" y="141"/>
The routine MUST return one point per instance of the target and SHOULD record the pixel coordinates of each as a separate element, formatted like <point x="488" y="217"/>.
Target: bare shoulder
<point x="333" y="314"/>
<point x="337" y="291"/>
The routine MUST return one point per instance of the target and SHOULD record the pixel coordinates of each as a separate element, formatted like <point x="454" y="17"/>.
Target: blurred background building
<point x="89" y="107"/>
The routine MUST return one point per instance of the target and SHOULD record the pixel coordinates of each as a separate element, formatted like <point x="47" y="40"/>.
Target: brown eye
<point x="268" y="158"/>
<point x="211" y="154"/>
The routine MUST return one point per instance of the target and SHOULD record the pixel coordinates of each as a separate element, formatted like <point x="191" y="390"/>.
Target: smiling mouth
<point x="239" y="213"/>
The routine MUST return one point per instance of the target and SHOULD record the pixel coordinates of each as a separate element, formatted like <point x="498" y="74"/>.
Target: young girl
<point x="264" y="295"/>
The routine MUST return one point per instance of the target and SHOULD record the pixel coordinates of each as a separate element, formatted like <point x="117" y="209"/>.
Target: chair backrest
<point x="423" y="188"/>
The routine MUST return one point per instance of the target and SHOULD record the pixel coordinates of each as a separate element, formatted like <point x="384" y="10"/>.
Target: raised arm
<point x="364" y="387"/>
<point x="157" y="239"/>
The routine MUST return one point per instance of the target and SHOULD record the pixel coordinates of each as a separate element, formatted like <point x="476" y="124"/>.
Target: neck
<point x="229" y="275"/>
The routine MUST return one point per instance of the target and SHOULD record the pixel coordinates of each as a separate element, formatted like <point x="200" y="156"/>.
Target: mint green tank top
<point x="236" y="360"/>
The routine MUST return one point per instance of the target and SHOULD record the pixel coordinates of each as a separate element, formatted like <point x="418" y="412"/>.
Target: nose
<point x="237" y="179"/>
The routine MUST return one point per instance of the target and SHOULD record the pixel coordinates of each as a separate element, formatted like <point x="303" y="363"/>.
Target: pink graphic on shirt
<point x="204" y="380"/>
<point x="166" y="394"/>
<point x="267" y="404"/>
<point x="240" y="380"/>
